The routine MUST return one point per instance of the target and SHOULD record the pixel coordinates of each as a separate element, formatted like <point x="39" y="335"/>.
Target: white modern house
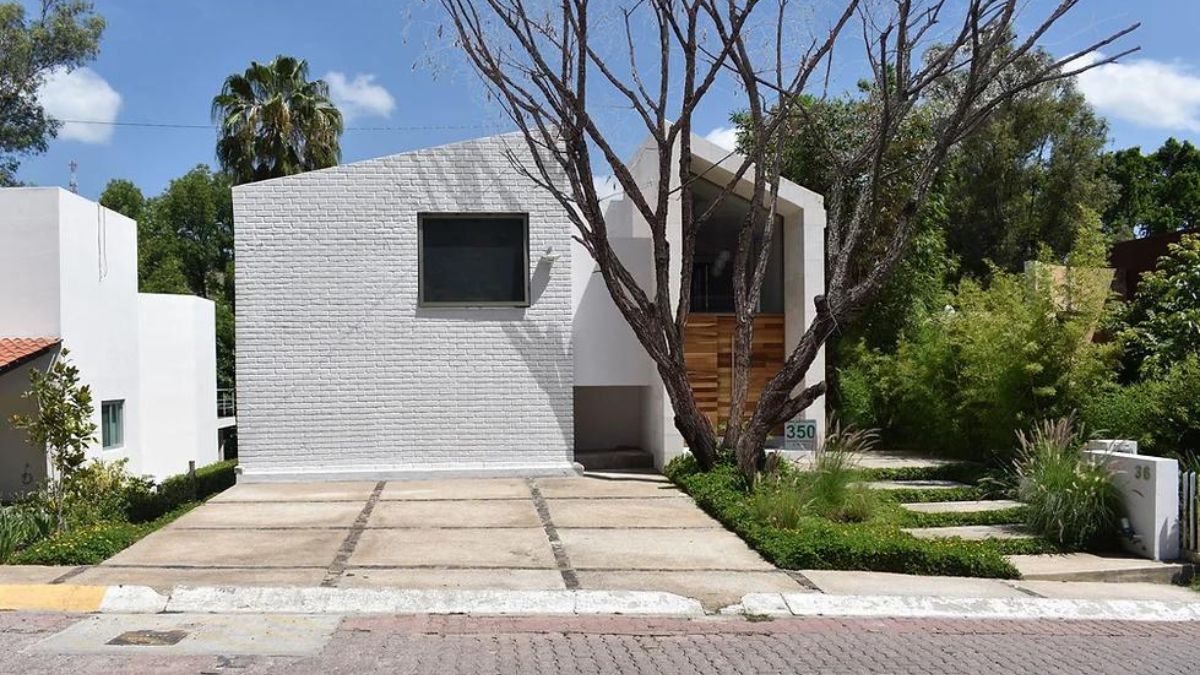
<point x="70" y="280"/>
<point x="430" y="312"/>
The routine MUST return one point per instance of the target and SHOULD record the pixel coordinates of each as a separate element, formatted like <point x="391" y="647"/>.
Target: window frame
<point x="119" y="404"/>
<point x="424" y="217"/>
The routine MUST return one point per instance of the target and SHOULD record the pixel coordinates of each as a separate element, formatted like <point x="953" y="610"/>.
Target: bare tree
<point x="543" y="64"/>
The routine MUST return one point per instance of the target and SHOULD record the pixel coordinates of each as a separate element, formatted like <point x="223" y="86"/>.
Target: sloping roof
<point x="16" y="351"/>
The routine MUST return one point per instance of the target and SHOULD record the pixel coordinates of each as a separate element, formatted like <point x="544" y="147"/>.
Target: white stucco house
<point x="429" y="312"/>
<point x="70" y="280"/>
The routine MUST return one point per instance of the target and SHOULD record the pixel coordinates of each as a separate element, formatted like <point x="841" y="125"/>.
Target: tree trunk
<point x="691" y="423"/>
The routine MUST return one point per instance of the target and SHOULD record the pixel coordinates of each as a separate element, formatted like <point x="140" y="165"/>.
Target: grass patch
<point x="812" y="542"/>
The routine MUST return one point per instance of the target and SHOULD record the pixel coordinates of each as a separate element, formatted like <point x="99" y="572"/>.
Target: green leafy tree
<point x="1017" y="183"/>
<point x="185" y="246"/>
<point x="62" y="34"/>
<point x="1157" y="193"/>
<point x="276" y="122"/>
<point x="124" y="197"/>
<point x="62" y="425"/>
<point x="1164" y="320"/>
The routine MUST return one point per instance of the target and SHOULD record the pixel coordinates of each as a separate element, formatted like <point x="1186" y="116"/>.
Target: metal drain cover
<point x="148" y="638"/>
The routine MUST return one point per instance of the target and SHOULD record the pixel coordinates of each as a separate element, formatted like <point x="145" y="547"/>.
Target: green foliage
<point x="176" y="491"/>
<point x="91" y="545"/>
<point x="1070" y="500"/>
<point x="1157" y="193"/>
<point x="185" y="246"/>
<point x="20" y="526"/>
<point x="960" y="381"/>
<point x="61" y="35"/>
<point x="828" y="488"/>
<point x="1164" y="320"/>
<point x="819" y="543"/>
<point x="1162" y="414"/>
<point x="62" y="425"/>
<point x="275" y="122"/>
<point x="1017" y="514"/>
<point x="1017" y="183"/>
<point x="100" y="492"/>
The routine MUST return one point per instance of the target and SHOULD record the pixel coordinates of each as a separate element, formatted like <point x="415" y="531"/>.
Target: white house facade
<point x="150" y="360"/>
<point x="430" y="313"/>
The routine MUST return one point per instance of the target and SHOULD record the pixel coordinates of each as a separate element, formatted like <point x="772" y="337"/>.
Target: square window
<point x="470" y="260"/>
<point x="112" y="424"/>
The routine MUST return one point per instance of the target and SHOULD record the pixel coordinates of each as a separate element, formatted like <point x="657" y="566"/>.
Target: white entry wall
<point x="178" y="365"/>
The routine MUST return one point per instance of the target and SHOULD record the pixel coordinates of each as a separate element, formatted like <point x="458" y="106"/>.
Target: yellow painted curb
<point x="52" y="598"/>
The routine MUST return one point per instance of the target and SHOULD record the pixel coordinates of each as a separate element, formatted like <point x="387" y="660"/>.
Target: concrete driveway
<point x="615" y="532"/>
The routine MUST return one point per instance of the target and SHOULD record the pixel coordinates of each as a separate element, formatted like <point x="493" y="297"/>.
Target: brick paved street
<point x="626" y="645"/>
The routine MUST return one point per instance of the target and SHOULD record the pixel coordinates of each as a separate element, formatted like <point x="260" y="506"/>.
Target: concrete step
<point x="1101" y="568"/>
<point x="914" y="484"/>
<point x="610" y="460"/>
<point x="963" y="507"/>
<point x="970" y="532"/>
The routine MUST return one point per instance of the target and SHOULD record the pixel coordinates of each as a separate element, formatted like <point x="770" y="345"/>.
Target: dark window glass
<point x="468" y="260"/>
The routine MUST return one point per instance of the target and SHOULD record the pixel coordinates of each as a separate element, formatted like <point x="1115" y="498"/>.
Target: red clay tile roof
<point x="15" y="351"/>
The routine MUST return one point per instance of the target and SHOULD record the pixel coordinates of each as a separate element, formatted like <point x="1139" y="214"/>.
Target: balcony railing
<point x="226" y="403"/>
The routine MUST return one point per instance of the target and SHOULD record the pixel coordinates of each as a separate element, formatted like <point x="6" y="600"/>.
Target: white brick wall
<point x="339" y="372"/>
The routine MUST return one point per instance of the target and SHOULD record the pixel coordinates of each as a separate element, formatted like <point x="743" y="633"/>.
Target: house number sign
<point x="800" y="435"/>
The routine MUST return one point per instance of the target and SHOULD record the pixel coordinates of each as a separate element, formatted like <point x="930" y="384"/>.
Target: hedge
<point x="176" y="491"/>
<point x="823" y="544"/>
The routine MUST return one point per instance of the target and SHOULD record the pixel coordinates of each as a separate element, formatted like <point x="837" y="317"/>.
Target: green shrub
<point x="961" y="380"/>
<point x="819" y="543"/>
<point x="1161" y="413"/>
<point x="100" y="492"/>
<point x="1070" y="500"/>
<point x="149" y="504"/>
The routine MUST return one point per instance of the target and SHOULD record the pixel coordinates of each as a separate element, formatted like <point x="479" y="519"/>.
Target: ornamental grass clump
<point x="1071" y="499"/>
<point x="21" y="526"/>
<point x="828" y="488"/>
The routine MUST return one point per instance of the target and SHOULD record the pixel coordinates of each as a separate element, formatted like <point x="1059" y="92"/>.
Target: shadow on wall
<point x="534" y="341"/>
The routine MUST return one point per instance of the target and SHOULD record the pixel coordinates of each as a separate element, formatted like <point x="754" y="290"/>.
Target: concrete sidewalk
<point x="624" y="532"/>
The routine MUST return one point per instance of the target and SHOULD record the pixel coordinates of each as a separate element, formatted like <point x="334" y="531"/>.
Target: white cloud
<point x="360" y="96"/>
<point x="81" y="94"/>
<point x="726" y="137"/>
<point x="1146" y="92"/>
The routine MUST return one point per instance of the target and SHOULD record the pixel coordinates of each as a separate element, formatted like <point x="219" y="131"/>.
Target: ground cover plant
<point x="821" y="516"/>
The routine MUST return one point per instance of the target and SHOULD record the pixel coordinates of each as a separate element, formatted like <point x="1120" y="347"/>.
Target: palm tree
<point x="275" y="122"/>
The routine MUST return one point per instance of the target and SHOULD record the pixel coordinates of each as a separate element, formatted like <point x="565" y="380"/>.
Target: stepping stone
<point x="893" y="459"/>
<point x="914" y="484"/>
<point x="970" y="532"/>
<point x="963" y="507"/>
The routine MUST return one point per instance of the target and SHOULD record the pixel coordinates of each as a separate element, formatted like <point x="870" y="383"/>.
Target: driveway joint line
<point x="570" y="579"/>
<point x="70" y="574"/>
<point x="338" y="566"/>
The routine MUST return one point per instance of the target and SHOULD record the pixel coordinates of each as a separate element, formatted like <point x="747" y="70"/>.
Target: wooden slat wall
<point x="709" y="352"/>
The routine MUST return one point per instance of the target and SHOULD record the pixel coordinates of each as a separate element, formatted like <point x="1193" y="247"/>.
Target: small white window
<point x="112" y="424"/>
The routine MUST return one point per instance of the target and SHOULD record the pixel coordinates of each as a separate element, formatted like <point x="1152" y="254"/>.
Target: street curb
<point x="396" y="601"/>
<point x="919" y="607"/>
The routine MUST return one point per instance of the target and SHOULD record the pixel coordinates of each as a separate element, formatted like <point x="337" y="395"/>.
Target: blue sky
<point x="161" y="62"/>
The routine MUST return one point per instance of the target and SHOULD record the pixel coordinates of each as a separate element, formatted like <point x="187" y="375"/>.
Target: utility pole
<point x="74" y="183"/>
